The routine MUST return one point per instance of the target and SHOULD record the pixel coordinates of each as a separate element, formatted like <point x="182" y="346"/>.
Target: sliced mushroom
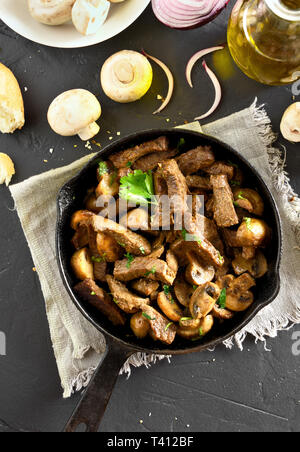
<point x="89" y="15"/>
<point x="137" y="219"/>
<point x="91" y="203"/>
<point x="239" y="298"/>
<point x="108" y="186"/>
<point x="253" y="232"/>
<point x="80" y="217"/>
<point x="197" y="273"/>
<point x="250" y="200"/>
<point x="189" y="322"/>
<point x="108" y="248"/>
<point x="81" y="237"/>
<point x="257" y="267"/>
<point x="203" y="300"/>
<point x="222" y="314"/>
<point x="193" y="333"/>
<point x="82" y="264"/>
<point x="225" y="282"/>
<point x="172" y="261"/>
<point x="183" y="292"/>
<point x="139" y="325"/>
<point x="248" y="252"/>
<point x="241" y="302"/>
<point x="169" y="307"/>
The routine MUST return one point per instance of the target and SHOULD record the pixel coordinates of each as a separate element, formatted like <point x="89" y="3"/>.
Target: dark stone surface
<point x="221" y="391"/>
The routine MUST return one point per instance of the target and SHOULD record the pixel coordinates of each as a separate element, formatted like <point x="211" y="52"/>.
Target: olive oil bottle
<point x="264" y="39"/>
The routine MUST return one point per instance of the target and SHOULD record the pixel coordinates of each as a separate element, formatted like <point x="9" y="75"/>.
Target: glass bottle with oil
<point x="264" y="39"/>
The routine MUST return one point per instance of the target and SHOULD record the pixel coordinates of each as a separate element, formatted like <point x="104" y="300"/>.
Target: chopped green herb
<point x="195" y="287"/>
<point x="93" y="294"/>
<point x="235" y="183"/>
<point x="147" y="316"/>
<point x="248" y="222"/>
<point x="240" y="196"/>
<point x="184" y="319"/>
<point x="222" y="299"/>
<point x="200" y="335"/>
<point x="233" y="164"/>
<point x="129" y="165"/>
<point x="181" y="144"/>
<point x="168" y="326"/>
<point x="236" y="204"/>
<point x="103" y="169"/>
<point x="116" y="301"/>
<point x="130" y="259"/>
<point x="167" y="289"/>
<point x="151" y="272"/>
<point x="97" y="259"/>
<point x="221" y="258"/>
<point x="200" y="332"/>
<point x="121" y="244"/>
<point x="184" y="233"/>
<point x="138" y="188"/>
<point x="142" y="250"/>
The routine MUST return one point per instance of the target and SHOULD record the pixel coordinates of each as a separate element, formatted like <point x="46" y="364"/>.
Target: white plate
<point x="15" y="14"/>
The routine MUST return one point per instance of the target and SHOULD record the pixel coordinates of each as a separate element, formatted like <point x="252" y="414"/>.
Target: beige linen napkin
<point x="77" y="345"/>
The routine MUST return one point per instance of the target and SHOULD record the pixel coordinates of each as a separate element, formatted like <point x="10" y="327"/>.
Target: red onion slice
<point x="218" y="90"/>
<point x="170" y="80"/>
<point x="196" y="58"/>
<point x="184" y="14"/>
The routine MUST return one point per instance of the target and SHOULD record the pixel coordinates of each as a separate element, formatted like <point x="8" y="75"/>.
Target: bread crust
<point x="11" y="102"/>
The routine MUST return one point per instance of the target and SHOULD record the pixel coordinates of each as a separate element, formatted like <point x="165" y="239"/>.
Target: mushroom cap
<point x="290" y="124"/>
<point x="73" y="111"/>
<point x="126" y="76"/>
<point x="51" y="12"/>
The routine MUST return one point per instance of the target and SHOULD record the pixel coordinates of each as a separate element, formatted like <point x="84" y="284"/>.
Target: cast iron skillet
<point x="120" y="344"/>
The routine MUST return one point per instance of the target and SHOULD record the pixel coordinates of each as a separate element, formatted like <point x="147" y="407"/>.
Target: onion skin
<point x="196" y="58"/>
<point x="218" y="90"/>
<point x="170" y="80"/>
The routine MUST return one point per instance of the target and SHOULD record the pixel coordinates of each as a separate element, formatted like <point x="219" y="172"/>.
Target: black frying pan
<point x="121" y="345"/>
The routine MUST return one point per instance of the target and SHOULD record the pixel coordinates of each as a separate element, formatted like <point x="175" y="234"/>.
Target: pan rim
<point x="112" y="148"/>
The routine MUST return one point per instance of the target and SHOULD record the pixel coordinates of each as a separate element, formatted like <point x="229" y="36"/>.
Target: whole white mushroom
<point x="75" y="112"/>
<point x="290" y="124"/>
<point x="89" y="15"/>
<point x="51" y="12"/>
<point x="126" y="76"/>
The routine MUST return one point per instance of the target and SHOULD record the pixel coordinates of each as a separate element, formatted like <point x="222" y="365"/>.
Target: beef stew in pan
<point x="137" y="267"/>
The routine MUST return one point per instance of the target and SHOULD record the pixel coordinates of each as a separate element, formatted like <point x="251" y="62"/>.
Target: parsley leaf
<point x="103" y="169"/>
<point x="137" y="188"/>
<point x="147" y="316"/>
<point x="130" y="259"/>
<point x="142" y="250"/>
<point x="167" y="289"/>
<point x="235" y="183"/>
<point x="248" y="222"/>
<point x="129" y="165"/>
<point x="222" y="299"/>
<point x="168" y="326"/>
<point x="152" y="271"/>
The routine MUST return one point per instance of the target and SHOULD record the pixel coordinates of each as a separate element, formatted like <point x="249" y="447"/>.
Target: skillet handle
<point x="92" y="406"/>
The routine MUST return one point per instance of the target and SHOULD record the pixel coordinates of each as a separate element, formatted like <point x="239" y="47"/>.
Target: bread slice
<point x="11" y="102"/>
